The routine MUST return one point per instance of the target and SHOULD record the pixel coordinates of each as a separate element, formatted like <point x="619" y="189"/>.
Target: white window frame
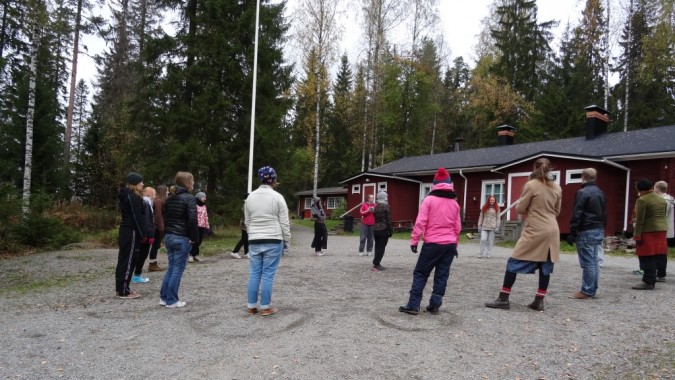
<point x="308" y="203"/>
<point x="570" y="173"/>
<point x="356" y="189"/>
<point x="425" y="189"/>
<point x="484" y="194"/>
<point x="381" y="186"/>
<point x="336" y="202"/>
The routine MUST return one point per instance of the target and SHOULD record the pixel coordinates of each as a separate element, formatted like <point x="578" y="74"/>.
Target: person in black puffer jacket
<point x="180" y="232"/>
<point x="131" y="232"/>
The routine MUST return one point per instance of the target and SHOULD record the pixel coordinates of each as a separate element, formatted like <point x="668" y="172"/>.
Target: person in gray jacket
<point x="269" y="233"/>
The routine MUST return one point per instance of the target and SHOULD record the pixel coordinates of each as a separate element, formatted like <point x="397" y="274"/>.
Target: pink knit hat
<point x="442" y="176"/>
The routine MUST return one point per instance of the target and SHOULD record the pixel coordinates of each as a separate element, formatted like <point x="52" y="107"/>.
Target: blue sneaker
<point x="139" y="279"/>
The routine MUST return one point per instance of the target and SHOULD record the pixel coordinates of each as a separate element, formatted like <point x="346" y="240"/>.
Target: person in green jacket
<point x="650" y="233"/>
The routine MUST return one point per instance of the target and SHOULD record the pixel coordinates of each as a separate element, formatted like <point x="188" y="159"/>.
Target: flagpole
<point x="255" y="79"/>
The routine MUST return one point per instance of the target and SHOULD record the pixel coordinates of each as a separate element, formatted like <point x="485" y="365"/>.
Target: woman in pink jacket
<point x="438" y="220"/>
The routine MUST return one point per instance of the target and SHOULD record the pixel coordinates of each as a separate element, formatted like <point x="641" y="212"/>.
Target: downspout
<point x="466" y="185"/>
<point x="625" y="207"/>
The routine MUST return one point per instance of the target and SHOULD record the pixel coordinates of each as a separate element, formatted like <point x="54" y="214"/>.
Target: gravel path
<point x="337" y="320"/>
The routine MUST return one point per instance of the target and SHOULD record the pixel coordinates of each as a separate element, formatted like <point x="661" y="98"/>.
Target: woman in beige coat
<point x="539" y="245"/>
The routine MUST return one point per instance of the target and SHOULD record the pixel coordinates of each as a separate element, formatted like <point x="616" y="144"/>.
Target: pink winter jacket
<point x="438" y="219"/>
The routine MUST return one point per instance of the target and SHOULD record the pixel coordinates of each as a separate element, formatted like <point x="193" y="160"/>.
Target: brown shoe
<point x="270" y="311"/>
<point x="153" y="267"/>
<point x="579" y="296"/>
<point x="251" y="310"/>
<point x="129" y="296"/>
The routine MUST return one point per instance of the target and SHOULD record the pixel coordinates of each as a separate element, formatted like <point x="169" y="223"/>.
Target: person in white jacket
<point x="269" y="233"/>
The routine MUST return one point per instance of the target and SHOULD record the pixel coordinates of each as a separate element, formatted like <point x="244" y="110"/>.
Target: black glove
<point x="571" y="238"/>
<point x="413" y="248"/>
<point x="208" y="232"/>
<point x="638" y="242"/>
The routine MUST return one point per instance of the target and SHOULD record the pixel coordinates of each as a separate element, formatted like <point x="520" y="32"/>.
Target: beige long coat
<point x="541" y="205"/>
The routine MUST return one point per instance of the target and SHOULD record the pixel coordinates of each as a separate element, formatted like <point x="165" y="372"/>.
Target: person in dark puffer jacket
<point x="181" y="231"/>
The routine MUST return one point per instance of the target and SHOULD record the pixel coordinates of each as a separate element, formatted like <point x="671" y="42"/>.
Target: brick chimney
<point x="505" y="135"/>
<point x="459" y="142"/>
<point x="596" y="121"/>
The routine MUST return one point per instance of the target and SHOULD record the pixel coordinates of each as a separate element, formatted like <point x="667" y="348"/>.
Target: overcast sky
<point x="460" y="21"/>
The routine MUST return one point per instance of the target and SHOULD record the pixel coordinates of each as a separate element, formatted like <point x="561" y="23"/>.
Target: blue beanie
<point x="267" y="175"/>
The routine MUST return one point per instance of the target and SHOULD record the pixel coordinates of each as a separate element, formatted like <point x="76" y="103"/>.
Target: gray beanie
<point x="382" y="196"/>
<point x="200" y="195"/>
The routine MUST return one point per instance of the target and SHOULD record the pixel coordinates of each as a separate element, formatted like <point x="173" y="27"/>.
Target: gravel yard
<point x="337" y="320"/>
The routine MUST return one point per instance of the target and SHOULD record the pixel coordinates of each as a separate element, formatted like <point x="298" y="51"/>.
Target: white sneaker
<point x="177" y="304"/>
<point x="369" y="253"/>
<point x="235" y="255"/>
<point x="197" y="259"/>
<point x="247" y="256"/>
<point x="319" y="253"/>
<point x="162" y="302"/>
<point x="361" y="253"/>
<point x="191" y="259"/>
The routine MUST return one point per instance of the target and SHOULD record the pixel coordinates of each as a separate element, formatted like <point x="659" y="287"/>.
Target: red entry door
<point x="368" y="189"/>
<point x="515" y="189"/>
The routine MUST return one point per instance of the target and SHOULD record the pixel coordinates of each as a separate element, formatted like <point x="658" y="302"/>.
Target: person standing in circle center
<point x="538" y="247"/>
<point x="488" y="223"/>
<point x="383" y="229"/>
<point x="181" y="231"/>
<point x="320" y="231"/>
<point x="367" y="226"/>
<point x="269" y="233"/>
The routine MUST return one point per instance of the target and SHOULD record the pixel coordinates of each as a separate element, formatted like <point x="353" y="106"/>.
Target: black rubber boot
<point x="537" y="304"/>
<point x="502" y="302"/>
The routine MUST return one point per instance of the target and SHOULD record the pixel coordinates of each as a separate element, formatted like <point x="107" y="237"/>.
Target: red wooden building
<point x="620" y="159"/>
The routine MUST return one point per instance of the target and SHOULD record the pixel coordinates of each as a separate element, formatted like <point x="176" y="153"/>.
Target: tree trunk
<point x="318" y="128"/>
<point x="629" y="64"/>
<point x="73" y="81"/>
<point x="30" y="114"/>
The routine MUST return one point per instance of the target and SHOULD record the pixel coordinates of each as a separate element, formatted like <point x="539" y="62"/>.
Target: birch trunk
<point x="629" y="65"/>
<point x="25" y="207"/>
<point x="73" y="81"/>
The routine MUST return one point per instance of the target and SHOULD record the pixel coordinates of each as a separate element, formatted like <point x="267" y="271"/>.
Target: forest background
<point x="178" y="97"/>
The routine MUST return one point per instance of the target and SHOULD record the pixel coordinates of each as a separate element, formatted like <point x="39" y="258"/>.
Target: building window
<point x="356" y="189"/>
<point x="334" y="202"/>
<point x="308" y="203"/>
<point x="573" y="176"/>
<point x="381" y="186"/>
<point x="495" y="189"/>
<point x="425" y="189"/>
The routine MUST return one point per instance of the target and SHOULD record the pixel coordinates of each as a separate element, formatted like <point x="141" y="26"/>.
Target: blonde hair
<point x="542" y="169"/>
<point x="137" y="188"/>
<point x="184" y="179"/>
<point x="589" y="174"/>
<point x="149" y="192"/>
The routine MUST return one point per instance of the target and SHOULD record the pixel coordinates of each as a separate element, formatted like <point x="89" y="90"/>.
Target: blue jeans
<point x="177" y="250"/>
<point x="588" y="243"/>
<point x="263" y="263"/>
<point x="436" y="257"/>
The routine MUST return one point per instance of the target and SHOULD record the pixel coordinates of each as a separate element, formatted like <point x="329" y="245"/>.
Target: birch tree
<point x="318" y="33"/>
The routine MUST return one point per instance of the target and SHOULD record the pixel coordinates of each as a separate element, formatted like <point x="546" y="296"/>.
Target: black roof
<point x="619" y="145"/>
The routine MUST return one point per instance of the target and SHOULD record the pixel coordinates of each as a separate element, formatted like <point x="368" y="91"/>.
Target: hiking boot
<point x="270" y="311"/>
<point x="433" y="310"/>
<point x="537" y="304"/>
<point x="408" y="310"/>
<point x="153" y="267"/>
<point x="251" y="310"/>
<point x="139" y="279"/>
<point x="236" y="255"/>
<point x="499" y="304"/>
<point x="643" y="286"/>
